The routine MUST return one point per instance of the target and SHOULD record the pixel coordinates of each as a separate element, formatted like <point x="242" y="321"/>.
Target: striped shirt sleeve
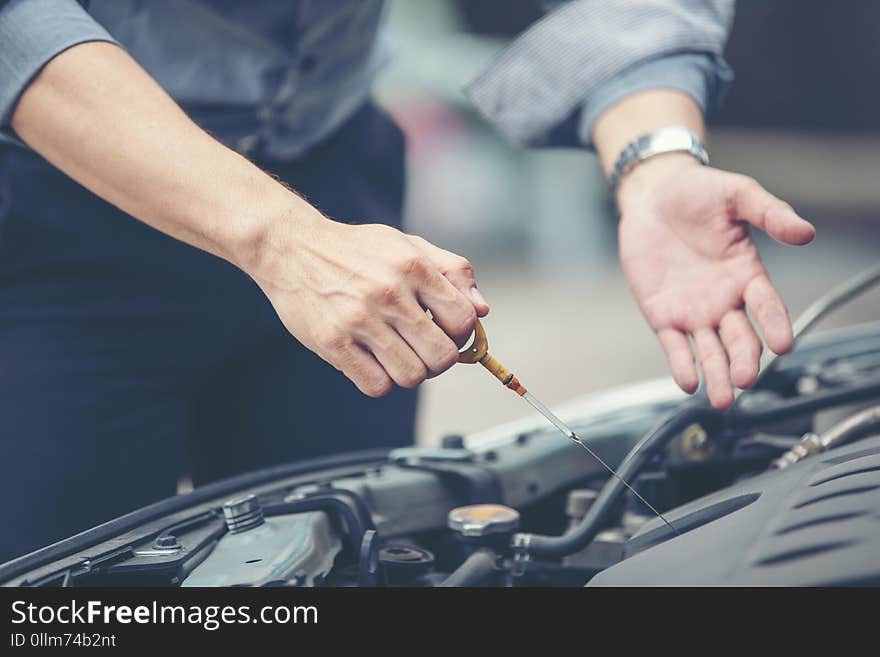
<point x="552" y="82"/>
<point x="32" y="32"/>
<point x="702" y="76"/>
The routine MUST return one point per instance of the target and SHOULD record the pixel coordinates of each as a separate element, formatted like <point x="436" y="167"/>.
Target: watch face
<point x="665" y="140"/>
<point x="671" y="139"/>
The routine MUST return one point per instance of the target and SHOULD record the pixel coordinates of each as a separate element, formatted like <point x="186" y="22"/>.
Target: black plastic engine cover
<point x="814" y="523"/>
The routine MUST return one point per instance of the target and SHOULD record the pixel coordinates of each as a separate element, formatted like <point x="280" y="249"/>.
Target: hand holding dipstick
<point x="478" y="352"/>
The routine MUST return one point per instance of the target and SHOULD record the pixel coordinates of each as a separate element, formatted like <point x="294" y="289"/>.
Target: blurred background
<point x="802" y="117"/>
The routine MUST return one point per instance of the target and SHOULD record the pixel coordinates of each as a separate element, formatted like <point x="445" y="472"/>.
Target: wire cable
<point x="820" y="308"/>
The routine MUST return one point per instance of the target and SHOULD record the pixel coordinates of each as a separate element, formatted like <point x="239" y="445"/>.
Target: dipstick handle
<point x="502" y="374"/>
<point x="478" y="352"/>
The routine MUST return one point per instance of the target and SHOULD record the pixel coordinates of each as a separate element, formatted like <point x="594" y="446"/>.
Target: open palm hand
<point x="688" y="255"/>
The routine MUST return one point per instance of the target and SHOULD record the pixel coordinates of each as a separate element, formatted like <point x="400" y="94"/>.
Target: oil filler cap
<point x="243" y="513"/>
<point x="483" y="519"/>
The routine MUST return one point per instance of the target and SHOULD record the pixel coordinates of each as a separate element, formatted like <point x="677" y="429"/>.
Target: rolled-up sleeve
<point x="702" y="76"/>
<point x="32" y="32"/>
<point x="548" y="87"/>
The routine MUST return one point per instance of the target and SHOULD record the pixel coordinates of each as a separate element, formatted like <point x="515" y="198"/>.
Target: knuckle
<point x="413" y="265"/>
<point x="749" y="184"/>
<point x="447" y="358"/>
<point x="387" y="294"/>
<point x="464" y="266"/>
<point x="391" y="295"/>
<point x="376" y="386"/>
<point x="334" y="341"/>
<point x="744" y="188"/>
<point x="444" y="356"/>
<point x="457" y="264"/>
<point x="413" y="376"/>
<point x="359" y="319"/>
<point x="465" y="322"/>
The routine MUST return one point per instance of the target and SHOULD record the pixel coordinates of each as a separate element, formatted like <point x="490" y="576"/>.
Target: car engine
<point x="783" y="489"/>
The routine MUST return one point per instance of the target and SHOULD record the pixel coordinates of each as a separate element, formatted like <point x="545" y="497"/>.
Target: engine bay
<point x="784" y="489"/>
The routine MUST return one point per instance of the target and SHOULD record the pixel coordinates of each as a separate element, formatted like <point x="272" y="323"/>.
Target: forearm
<point x="354" y="294"/>
<point x="98" y="116"/>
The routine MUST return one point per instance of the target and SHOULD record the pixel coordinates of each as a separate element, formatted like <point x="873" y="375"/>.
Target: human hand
<point x="356" y="295"/>
<point x="688" y="255"/>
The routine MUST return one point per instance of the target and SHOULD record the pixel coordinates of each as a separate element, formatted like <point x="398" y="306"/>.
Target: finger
<point x="450" y="309"/>
<point x="457" y="270"/>
<point x="777" y="218"/>
<point x="769" y="311"/>
<point x="681" y="359"/>
<point x="435" y="349"/>
<point x="396" y="357"/>
<point x="715" y="368"/>
<point x="362" y="368"/>
<point x="743" y="347"/>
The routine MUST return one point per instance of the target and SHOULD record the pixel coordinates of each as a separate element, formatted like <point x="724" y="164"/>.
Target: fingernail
<point x="475" y="294"/>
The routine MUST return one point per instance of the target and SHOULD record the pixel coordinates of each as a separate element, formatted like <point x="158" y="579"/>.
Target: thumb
<point x="757" y="206"/>
<point x="456" y="269"/>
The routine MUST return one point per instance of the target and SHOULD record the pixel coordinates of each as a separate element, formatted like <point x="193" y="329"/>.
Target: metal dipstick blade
<point x="571" y="435"/>
<point x="547" y="413"/>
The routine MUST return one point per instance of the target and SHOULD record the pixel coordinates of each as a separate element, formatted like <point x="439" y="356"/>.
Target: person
<point x="184" y="185"/>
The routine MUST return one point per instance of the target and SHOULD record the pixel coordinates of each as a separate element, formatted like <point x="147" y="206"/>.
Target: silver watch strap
<point x="671" y="139"/>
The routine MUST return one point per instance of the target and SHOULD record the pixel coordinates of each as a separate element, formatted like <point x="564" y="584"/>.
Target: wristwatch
<point x="671" y="139"/>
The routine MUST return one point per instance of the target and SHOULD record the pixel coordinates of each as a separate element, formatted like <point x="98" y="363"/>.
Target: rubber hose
<point x="694" y="411"/>
<point x="473" y="571"/>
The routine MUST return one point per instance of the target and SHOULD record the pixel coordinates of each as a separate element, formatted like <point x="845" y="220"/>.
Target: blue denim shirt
<point x="273" y="78"/>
